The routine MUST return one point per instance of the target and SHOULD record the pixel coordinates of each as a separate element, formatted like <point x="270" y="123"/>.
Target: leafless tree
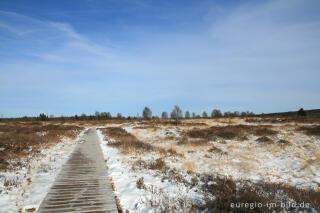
<point x="205" y="114"/>
<point x="227" y="114"/>
<point x="244" y="114"/>
<point x="97" y="114"/>
<point x="146" y="113"/>
<point x="236" y="113"/>
<point x="176" y="113"/>
<point x="187" y="114"/>
<point x="105" y="115"/>
<point x="216" y="113"/>
<point x="164" y="115"/>
<point x="251" y="114"/>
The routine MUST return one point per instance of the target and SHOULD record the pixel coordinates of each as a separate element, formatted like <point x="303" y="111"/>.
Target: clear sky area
<point x="78" y="56"/>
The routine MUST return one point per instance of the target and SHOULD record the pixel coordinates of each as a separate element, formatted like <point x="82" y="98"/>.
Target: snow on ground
<point x="32" y="182"/>
<point x="296" y="163"/>
<point x="156" y="190"/>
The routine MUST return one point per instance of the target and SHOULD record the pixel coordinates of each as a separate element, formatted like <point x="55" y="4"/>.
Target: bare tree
<point x="216" y="113"/>
<point x="105" y="115"/>
<point x="97" y="114"/>
<point x="176" y="113"/>
<point x="187" y="114"/>
<point x="119" y="115"/>
<point x="227" y="114"/>
<point x="164" y="115"/>
<point x="244" y="114"/>
<point x="83" y="116"/>
<point x="236" y="113"/>
<point x="146" y="113"/>
<point x="250" y="113"/>
<point x="205" y="114"/>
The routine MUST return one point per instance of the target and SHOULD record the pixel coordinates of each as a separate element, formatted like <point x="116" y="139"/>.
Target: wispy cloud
<point x="257" y="56"/>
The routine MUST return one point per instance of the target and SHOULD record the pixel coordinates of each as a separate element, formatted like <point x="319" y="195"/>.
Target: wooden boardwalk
<point x="83" y="184"/>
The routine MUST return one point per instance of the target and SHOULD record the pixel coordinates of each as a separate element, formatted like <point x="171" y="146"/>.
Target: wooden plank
<point x="82" y="184"/>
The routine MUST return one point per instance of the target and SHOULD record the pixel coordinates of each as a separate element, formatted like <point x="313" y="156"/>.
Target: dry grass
<point x="283" y="142"/>
<point x="227" y="192"/>
<point x="184" y="140"/>
<point x="128" y="143"/>
<point x="119" y="207"/>
<point x="167" y="173"/>
<point x="217" y="151"/>
<point x="190" y="166"/>
<point x="30" y="209"/>
<point x="311" y="130"/>
<point x="220" y="192"/>
<point x="154" y="124"/>
<point x="125" y="141"/>
<point x="158" y="164"/>
<point x="231" y="132"/>
<point x="140" y="183"/>
<point x="263" y="140"/>
<point x="286" y="119"/>
<point x="24" y="139"/>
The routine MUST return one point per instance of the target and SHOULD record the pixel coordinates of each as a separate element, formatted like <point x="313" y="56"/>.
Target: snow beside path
<point x="133" y="199"/>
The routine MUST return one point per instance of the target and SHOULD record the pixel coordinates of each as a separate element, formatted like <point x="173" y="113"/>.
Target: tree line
<point x="176" y="114"/>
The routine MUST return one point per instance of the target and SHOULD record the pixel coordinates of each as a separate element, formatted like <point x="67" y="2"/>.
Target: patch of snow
<point x="42" y="133"/>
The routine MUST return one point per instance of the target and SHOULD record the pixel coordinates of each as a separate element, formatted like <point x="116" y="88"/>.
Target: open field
<point x="208" y="164"/>
<point x="155" y="165"/>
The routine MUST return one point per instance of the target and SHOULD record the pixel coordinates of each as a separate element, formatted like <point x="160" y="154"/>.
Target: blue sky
<point x="79" y="56"/>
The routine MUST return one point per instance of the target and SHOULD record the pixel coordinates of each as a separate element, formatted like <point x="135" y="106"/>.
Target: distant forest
<point x="176" y="113"/>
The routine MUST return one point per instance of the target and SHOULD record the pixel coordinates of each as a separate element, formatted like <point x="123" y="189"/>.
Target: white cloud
<point x="67" y="30"/>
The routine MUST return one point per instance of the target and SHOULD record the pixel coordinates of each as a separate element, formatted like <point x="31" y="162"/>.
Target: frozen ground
<point x="295" y="163"/>
<point x="181" y="178"/>
<point x="24" y="189"/>
<point x="155" y="191"/>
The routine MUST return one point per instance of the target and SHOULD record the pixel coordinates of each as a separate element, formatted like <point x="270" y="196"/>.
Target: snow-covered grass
<point x="295" y="161"/>
<point x="154" y="192"/>
<point x="290" y="158"/>
<point x="22" y="189"/>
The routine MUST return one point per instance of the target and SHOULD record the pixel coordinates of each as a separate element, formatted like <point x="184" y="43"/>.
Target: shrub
<point x="283" y="142"/>
<point x="227" y="192"/>
<point x="301" y="112"/>
<point x="263" y="139"/>
<point x="230" y="132"/>
<point x="158" y="164"/>
<point x="140" y="183"/>
<point x="311" y="130"/>
<point x="43" y="117"/>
